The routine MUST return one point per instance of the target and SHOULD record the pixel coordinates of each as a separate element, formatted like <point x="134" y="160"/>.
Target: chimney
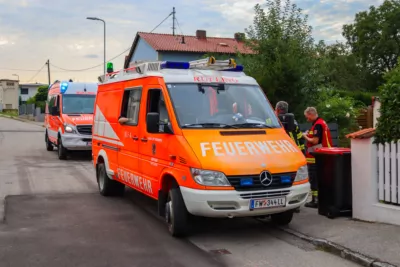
<point x="201" y="34"/>
<point x="239" y="36"/>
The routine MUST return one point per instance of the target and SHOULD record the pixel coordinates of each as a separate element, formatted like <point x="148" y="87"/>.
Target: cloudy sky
<point x="32" y="31"/>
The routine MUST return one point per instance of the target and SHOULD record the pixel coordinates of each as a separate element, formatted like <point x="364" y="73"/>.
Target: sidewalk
<point x="344" y="236"/>
<point x="38" y="123"/>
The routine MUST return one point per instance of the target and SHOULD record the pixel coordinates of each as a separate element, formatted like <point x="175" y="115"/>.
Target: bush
<point x="344" y="111"/>
<point x="360" y="96"/>
<point x="388" y="126"/>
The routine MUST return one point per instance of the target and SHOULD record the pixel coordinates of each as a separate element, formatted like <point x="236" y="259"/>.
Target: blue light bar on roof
<point x="63" y="87"/>
<point x="238" y="68"/>
<point x="175" y="65"/>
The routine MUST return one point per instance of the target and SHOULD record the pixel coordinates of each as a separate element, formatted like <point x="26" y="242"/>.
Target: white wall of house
<point x="9" y="94"/>
<point x="29" y="90"/>
<point x="376" y="112"/>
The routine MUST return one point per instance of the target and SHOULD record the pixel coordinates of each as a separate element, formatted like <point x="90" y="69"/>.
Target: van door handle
<point x="135" y="138"/>
<point x="144" y="139"/>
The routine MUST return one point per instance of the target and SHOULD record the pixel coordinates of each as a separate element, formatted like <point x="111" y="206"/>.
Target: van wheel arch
<point x="167" y="182"/>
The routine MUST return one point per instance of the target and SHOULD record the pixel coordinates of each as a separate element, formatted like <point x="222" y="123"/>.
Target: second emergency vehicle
<point x="199" y="137"/>
<point x="69" y="116"/>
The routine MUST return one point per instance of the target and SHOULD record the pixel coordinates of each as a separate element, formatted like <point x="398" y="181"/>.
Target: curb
<point x="339" y="250"/>
<point x="21" y="120"/>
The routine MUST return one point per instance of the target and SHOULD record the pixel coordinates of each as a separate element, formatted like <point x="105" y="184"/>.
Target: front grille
<point x="265" y="194"/>
<point x="84" y="129"/>
<point x="276" y="182"/>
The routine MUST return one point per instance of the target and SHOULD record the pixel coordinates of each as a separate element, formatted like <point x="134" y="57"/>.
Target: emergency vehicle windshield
<point x="221" y="106"/>
<point x="78" y="104"/>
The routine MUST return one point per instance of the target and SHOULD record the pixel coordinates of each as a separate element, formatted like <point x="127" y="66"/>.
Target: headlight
<point x="69" y="129"/>
<point x="209" y="178"/>
<point x="302" y="173"/>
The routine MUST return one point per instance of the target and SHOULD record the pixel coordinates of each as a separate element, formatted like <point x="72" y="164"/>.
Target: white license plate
<point x="267" y="203"/>
<point x="89" y="143"/>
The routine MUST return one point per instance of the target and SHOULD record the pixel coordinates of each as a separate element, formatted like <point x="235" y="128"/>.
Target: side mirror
<point x="287" y="121"/>
<point x="54" y="111"/>
<point x="152" y="121"/>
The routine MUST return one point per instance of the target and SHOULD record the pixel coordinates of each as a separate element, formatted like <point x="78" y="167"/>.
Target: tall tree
<point x="284" y="60"/>
<point x="375" y="38"/>
<point x="339" y="68"/>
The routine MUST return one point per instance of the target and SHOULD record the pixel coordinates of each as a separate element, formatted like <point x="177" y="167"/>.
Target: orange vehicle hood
<point x="82" y="119"/>
<point x="244" y="152"/>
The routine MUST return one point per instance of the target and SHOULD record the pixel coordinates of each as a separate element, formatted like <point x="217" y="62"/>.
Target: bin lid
<point x="333" y="150"/>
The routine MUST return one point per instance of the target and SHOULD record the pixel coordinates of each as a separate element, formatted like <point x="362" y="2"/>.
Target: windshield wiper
<point x="252" y="124"/>
<point x="209" y="124"/>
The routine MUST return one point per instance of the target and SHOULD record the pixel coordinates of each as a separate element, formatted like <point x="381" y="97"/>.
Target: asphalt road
<point x="55" y="217"/>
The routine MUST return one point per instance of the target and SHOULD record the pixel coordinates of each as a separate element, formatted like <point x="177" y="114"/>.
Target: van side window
<point x="51" y="103"/>
<point x="58" y="103"/>
<point x="131" y="105"/>
<point x="156" y="103"/>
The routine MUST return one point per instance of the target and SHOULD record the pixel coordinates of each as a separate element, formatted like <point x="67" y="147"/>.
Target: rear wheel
<point x="108" y="187"/>
<point x="49" y="145"/>
<point x="282" y="219"/>
<point x="176" y="214"/>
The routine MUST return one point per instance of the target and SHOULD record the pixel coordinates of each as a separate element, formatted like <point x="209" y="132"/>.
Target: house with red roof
<point x="164" y="47"/>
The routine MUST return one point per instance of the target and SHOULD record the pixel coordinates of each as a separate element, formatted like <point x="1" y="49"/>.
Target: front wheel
<point x="282" y="219"/>
<point x="62" y="151"/>
<point x="49" y="145"/>
<point x="176" y="214"/>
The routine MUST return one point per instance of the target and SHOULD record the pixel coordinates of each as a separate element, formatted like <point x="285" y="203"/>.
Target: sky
<point x="34" y="31"/>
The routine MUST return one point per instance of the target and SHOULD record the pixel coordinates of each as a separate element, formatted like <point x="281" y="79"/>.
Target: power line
<point x="17" y="69"/>
<point x="36" y="74"/>
<point x="110" y="58"/>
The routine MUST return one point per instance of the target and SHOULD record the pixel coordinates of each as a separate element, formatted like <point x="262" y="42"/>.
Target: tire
<point x="108" y="187"/>
<point x="282" y="219"/>
<point x="176" y="214"/>
<point x="62" y="151"/>
<point x="49" y="145"/>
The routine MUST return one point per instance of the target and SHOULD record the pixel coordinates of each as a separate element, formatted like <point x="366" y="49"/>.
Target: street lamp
<point x="16" y="75"/>
<point x="94" y="18"/>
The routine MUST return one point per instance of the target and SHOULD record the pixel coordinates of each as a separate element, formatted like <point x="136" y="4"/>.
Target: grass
<point x="9" y="113"/>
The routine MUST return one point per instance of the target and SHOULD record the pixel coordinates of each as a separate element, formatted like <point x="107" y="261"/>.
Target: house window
<point x="10" y="84"/>
<point x="24" y="91"/>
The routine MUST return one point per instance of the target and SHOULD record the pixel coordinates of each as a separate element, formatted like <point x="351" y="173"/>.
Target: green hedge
<point x="359" y="96"/>
<point x="388" y="127"/>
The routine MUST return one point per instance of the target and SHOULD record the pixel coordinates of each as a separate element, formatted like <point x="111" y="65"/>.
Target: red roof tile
<point x="168" y="42"/>
<point x="362" y="134"/>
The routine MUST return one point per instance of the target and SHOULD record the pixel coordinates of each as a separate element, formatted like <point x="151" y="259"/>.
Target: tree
<point x="374" y="37"/>
<point x="284" y="61"/>
<point x="339" y="68"/>
<point x="41" y="94"/>
<point x="387" y="129"/>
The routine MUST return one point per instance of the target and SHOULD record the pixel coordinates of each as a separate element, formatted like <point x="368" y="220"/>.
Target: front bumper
<point x="77" y="141"/>
<point x="232" y="203"/>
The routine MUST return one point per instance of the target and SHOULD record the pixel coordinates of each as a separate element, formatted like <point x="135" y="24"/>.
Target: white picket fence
<point x="389" y="173"/>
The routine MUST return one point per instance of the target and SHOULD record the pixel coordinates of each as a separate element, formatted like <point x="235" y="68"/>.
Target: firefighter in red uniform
<point x="318" y="136"/>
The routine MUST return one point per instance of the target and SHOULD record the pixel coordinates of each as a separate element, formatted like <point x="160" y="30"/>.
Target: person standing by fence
<point x="318" y="136"/>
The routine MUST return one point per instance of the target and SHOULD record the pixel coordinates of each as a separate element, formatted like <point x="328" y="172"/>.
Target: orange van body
<point x="210" y="169"/>
<point x="69" y="116"/>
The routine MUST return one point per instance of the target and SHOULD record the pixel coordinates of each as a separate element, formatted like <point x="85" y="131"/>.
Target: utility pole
<point x="173" y="21"/>
<point x="48" y="70"/>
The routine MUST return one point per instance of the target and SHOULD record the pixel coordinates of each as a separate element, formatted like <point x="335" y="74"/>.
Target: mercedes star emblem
<point x="266" y="178"/>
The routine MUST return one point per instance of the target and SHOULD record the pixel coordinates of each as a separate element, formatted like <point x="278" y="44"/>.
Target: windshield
<point x="78" y="104"/>
<point x="222" y="106"/>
